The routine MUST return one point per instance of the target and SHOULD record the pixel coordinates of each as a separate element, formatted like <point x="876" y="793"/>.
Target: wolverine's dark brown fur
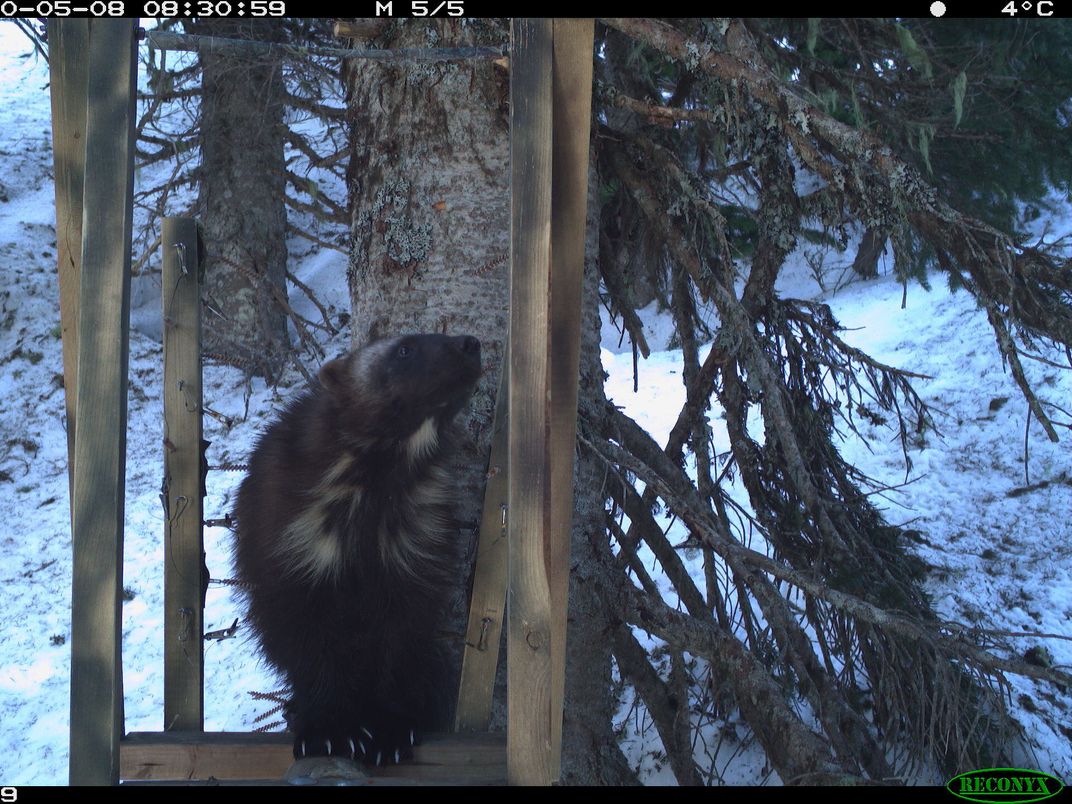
<point x="344" y="545"/>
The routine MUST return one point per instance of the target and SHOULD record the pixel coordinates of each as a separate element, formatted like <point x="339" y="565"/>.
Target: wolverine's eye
<point x="403" y="351"/>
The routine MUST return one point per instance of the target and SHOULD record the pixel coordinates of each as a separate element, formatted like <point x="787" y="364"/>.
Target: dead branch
<point x="335" y="212"/>
<point x="312" y="238"/>
<point x="328" y="326"/>
<point x="331" y="114"/>
<point x="319" y="209"/>
<point x="315" y="159"/>
<point x="656" y="113"/>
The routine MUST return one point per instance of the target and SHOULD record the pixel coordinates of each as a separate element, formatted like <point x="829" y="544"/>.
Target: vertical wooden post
<point x="572" y="121"/>
<point x="68" y="75"/>
<point x="183" y="535"/>
<point x="550" y="107"/>
<point x="528" y="736"/>
<point x="100" y="448"/>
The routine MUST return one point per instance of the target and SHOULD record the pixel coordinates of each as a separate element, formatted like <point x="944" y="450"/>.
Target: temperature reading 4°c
<point x="1043" y="8"/>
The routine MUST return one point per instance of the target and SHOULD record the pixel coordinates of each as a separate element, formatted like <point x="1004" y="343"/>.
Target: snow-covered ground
<point x="1001" y="557"/>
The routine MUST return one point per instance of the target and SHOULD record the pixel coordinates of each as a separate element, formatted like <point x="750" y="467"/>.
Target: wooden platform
<point x="228" y="757"/>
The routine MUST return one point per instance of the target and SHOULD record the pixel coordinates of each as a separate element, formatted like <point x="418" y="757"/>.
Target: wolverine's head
<point x="397" y="386"/>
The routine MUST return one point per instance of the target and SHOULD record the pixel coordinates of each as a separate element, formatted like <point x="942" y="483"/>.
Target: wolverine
<point x="344" y="550"/>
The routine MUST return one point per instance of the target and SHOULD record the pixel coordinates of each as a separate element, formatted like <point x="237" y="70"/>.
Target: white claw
<point x="303" y="747"/>
<point x="379" y="758"/>
<point x="412" y="737"/>
<point x="361" y="743"/>
<point x="328" y="742"/>
<point x="353" y="750"/>
<point x="398" y="757"/>
<point x="367" y="732"/>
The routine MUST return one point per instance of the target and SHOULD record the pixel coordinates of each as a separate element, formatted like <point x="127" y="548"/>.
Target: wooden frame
<point x="550" y="117"/>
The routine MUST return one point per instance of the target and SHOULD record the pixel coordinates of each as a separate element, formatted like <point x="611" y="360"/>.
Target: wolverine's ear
<point x="333" y="375"/>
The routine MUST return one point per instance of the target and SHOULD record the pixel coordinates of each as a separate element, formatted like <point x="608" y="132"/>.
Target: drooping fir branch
<point x="1028" y="287"/>
<point x="738" y="330"/>
<point x="887" y="672"/>
<point x="622" y="302"/>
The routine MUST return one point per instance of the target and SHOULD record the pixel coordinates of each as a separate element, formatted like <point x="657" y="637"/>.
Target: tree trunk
<point x="429" y="193"/>
<point x="590" y="752"/>
<point x="872" y="245"/>
<point x="242" y="197"/>
<point x="430" y="198"/>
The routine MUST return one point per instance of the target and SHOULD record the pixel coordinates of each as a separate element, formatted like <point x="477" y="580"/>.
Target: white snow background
<point x="998" y="560"/>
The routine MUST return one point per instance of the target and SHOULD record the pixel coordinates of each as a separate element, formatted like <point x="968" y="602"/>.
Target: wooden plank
<point x="179" y="755"/>
<point x="100" y="448"/>
<point x="441" y="758"/>
<point x="487" y="605"/>
<point x="68" y="75"/>
<point x="476" y="758"/>
<point x="183" y="539"/>
<point x="529" y="598"/>
<point x="571" y="126"/>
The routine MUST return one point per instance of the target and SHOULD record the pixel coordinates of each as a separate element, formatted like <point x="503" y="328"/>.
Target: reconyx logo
<point x="1003" y="785"/>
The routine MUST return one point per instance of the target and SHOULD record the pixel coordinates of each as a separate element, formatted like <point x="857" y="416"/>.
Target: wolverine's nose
<point x="470" y="345"/>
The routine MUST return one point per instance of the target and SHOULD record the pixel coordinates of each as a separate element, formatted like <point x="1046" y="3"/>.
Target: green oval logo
<point x="1004" y="785"/>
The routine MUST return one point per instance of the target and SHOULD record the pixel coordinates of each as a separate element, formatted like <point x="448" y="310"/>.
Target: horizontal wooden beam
<point x="231" y="756"/>
<point x="167" y="40"/>
<point x="360" y="29"/>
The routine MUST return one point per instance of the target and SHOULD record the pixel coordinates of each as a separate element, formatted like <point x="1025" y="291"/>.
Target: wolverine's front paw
<point x="382" y="745"/>
<point x="377" y="745"/>
<point x="326" y="743"/>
